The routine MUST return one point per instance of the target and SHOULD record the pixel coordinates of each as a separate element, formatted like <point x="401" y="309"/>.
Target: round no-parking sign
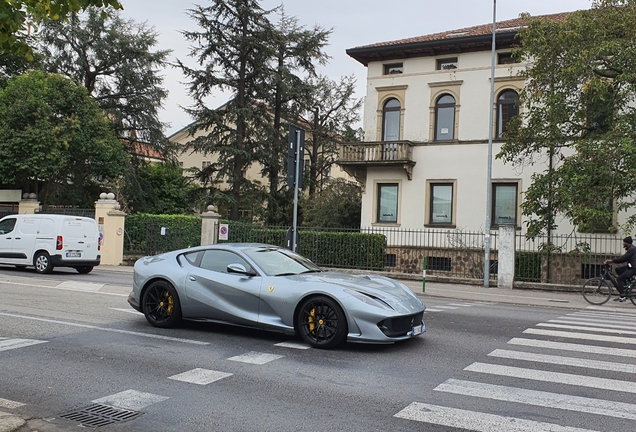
<point x="223" y="229"/>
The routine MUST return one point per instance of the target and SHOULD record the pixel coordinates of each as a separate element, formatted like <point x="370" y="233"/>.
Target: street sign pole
<point x="297" y="167"/>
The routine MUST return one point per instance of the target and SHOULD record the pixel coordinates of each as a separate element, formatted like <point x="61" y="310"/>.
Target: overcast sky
<point x="354" y="23"/>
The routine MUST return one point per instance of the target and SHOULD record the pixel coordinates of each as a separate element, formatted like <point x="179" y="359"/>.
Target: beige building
<point x="426" y="119"/>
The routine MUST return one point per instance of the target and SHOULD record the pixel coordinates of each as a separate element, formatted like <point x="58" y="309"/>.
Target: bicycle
<point x="598" y="291"/>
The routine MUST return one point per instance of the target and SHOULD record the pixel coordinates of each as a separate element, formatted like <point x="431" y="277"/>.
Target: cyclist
<point x="627" y="271"/>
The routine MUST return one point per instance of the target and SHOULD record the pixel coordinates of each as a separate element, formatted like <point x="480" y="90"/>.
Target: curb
<point x="10" y="422"/>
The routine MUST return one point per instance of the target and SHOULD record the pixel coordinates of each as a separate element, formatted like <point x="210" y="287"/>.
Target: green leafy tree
<point x="17" y="17"/>
<point x="55" y="140"/>
<point x="296" y="52"/>
<point x="115" y="60"/>
<point x="337" y="205"/>
<point x="233" y="54"/>
<point x="578" y="118"/>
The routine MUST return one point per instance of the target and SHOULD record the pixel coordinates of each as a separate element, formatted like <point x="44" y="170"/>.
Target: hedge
<point x="143" y="233"/>
<point x="325" y="248"/>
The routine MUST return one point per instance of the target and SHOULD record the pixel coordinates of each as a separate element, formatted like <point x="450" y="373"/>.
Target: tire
<point x="321" y="322"/>
<point x="596" y="291"/>
<point x="42" y="263"/>
<point x="84" y="269"/>
<point x="20" y="267"/>
<point x="160" y="305"/>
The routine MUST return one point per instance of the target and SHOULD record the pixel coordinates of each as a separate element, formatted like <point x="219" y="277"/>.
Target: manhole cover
<point x="97" y="415"/>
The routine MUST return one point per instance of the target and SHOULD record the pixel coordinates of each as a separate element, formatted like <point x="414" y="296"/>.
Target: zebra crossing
<point x="574" y="340"/>
<point x="449" y="307"/>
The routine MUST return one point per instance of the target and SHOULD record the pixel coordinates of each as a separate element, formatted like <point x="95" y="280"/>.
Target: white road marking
<point x="583" y="328"/>
<point x="152" y="336"/>
<point x="131" y="400"/>
<point x="539" y="398"/>
<point x="593" y="322"/>
<point x="130" y="311"/>
<point x="428" y="309"/>
<point x="553" y="377"/>
<point x="536" y="343"/>
<point x="607" y="315"/>
<point x="200" y="376"/>
<point x="293" y="345"/>
<point x="446" y="307"/>
<point x="64" y="289"/>
<point x="9" y="404"/>
<point x="586" y="336"/>
<point x="80" y="286"/>
<point x="9" y="344"/>
<point x="622" y="311"/>
<point x="254" y="357"/>
<point x="461" y="304"/>
<point x="560" y="360"/>
<point x="476" y="421"/>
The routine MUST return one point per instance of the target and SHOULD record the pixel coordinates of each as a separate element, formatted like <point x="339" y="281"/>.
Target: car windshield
<point x="280" y="262"/>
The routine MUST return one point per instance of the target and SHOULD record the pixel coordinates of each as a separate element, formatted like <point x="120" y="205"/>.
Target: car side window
<point x="7" y="225"/>
<point x="218" y="260"/>
<point x="191" y="257"/>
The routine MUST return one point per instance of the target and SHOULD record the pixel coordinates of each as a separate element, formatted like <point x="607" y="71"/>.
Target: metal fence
<point x="69" y="210"/>
<point x="148" y="236"/>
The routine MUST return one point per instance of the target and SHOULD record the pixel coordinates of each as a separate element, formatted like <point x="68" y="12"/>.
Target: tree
<point x="338" y="205"/>
<point x="114" y="59"/>
<point x="233" y="54"/>
<point x="578" y="116"/>
<point x="333" y="109"/>
<point x="296" y="51"/>
<point x="17" y="17"/>
<point x="53" y="134"/>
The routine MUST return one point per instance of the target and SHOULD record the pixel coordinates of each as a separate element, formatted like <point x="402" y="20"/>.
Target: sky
<point x="354" y="23"/>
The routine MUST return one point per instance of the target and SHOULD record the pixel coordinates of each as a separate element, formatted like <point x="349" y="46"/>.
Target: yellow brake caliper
<point x="310" y="320"/>
<point x="168" y="302"/>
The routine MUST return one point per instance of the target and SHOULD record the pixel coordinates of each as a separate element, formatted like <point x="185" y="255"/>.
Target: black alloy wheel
<point x="161" y="305"/>
<point x="322" y="323"/>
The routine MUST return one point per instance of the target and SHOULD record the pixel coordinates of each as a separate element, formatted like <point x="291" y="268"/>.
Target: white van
<point x="46" y="241"/>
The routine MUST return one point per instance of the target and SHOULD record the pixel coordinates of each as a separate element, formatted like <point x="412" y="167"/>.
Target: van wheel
<point x="42" y="263"/>
<point x="84" y="269"/>
<point x="20" y="267"/>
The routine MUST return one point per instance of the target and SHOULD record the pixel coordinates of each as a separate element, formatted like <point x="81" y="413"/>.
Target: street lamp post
<point x="491" y="109"/>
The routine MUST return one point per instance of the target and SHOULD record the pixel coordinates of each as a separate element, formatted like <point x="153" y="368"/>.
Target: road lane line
<point x="461" y="304"/>
<point x="609" y="309"/>
<point x="592" y="322"/>
<point x="607" y="315"/>
<point x="9" y="404"/>
<point x="539" y="398"/>
<point x="586" y="336"/>
<point x="200" y="376"/>
<point x="294" y="345"/>
<point x="447" y="307"/>
<point x="130" y="399"/>
<point x="130" y="311"/>
<point x="583" y="328"/>
<point x="87" y="326"/>
<point x="476" y="421"/>
<point x="9" y="344"/>
<point x="553" y="377"/>
<point x="567" y="361"/>
<point x="254" y="357"/>
<point x="428" y="309"/>
<point x="64" y="289"/>
<point x="537" y="343"/>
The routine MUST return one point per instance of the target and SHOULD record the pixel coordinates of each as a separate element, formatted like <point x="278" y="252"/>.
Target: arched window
<point x="445" y="118"/>
<point x="391" y="120"/>
<point x="507" y="108"/>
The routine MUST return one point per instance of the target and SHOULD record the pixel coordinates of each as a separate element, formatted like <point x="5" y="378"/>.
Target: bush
<point x="528" y="266"/>
<point x="325" y="248"/>
<point x="143" y="233"/>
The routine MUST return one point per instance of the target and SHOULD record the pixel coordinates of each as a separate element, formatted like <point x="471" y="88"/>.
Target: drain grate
<point x="97" y="415"/>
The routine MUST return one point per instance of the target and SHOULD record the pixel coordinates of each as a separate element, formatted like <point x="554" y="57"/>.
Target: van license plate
<point x="73" y="254"/>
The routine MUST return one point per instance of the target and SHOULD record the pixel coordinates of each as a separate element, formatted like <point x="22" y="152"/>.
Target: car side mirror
<point x="239" y="269"/>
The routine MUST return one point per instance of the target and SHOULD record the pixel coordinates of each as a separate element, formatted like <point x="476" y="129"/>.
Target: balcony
<point x="356" y="157"/>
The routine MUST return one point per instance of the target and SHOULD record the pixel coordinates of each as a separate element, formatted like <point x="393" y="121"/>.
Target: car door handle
<point x="18" y="238"/>
<point x="192" y="278"/>
<point x="80" y="242"/>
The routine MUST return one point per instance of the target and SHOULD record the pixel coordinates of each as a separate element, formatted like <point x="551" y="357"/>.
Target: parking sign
<point x="223" y="231"/>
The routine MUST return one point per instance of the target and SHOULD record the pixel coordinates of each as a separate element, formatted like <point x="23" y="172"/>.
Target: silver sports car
<point x="272" y="288"/>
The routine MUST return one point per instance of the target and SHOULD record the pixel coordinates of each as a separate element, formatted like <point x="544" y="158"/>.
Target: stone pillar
<point x="210" y="226"/>
<point x="29" y="204"/>
<point x="506" y="256"/>
<point x="110" y="221"/>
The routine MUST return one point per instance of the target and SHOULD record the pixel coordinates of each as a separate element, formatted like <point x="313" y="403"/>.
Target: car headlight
<point x="370" y="300"/>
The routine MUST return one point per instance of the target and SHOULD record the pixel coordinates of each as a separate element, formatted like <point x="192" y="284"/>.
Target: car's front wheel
<point x="42" y="263"/>
<point x="160" y="305"/>
<point x="322" y="322"/>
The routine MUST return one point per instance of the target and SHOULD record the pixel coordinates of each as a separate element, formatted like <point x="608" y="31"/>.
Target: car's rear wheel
<point x="84" y="269"/>
<point x="42" y="263"/>
<point x="321" y="322"/>
<point x="160" y="305"/>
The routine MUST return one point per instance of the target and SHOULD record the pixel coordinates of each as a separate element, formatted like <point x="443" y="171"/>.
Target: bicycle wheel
<point x="596" y="291"/>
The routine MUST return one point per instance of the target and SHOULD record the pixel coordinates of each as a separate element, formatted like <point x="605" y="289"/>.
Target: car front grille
<point x="400" y="326"/>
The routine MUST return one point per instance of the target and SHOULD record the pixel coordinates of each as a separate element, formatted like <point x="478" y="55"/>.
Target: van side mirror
<point x="239" y="269"/>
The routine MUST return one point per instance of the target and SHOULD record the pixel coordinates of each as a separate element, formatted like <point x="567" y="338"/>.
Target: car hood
<point x="378" y="286"/>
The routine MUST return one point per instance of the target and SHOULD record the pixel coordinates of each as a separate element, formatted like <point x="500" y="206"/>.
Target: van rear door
<point x="79" y="239"/>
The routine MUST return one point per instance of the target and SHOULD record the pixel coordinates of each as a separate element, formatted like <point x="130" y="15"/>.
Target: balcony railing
<point x="382" y="153"/>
